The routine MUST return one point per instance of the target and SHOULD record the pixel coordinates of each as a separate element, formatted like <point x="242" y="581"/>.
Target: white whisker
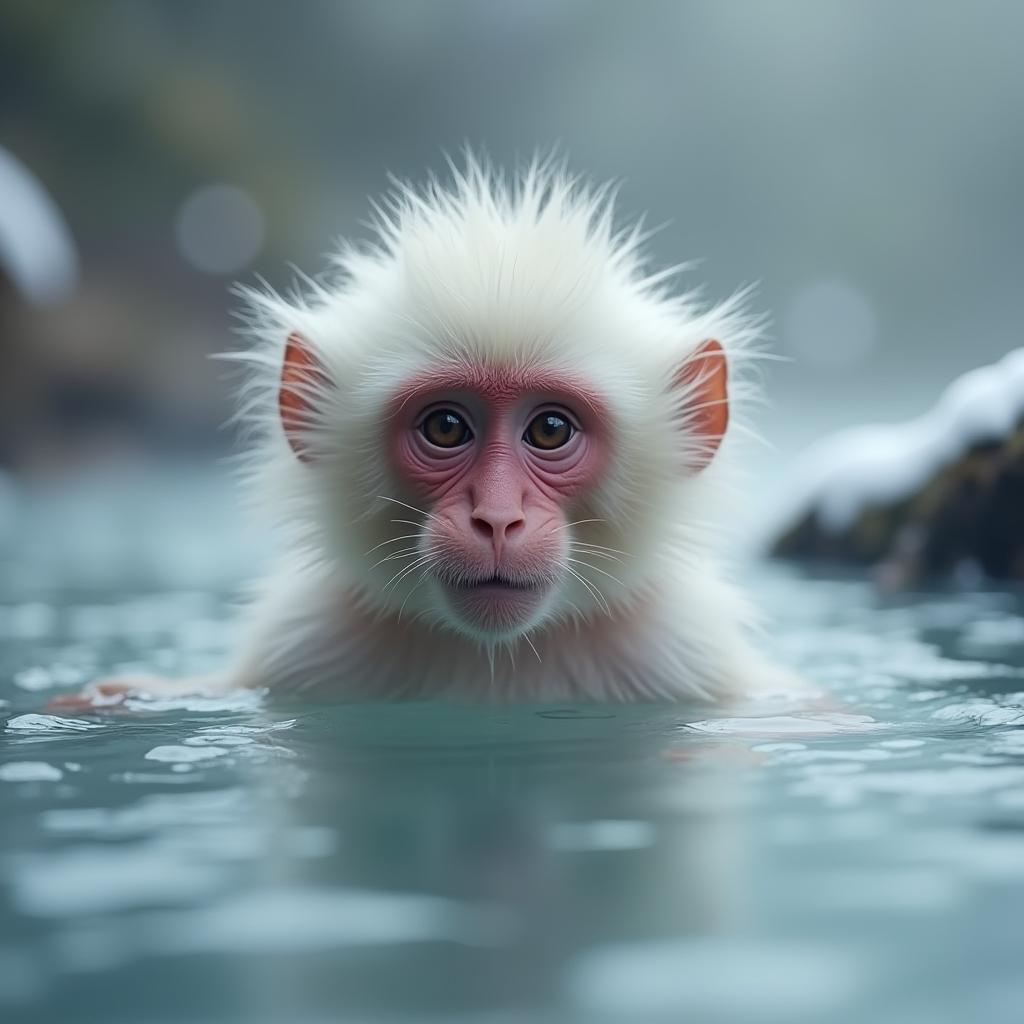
<point x="591" y="588"/>
<point x="393" y="540"/>
<point x="405" y="504"/>
<point x="395" y="580"/>
<point x="407" y="553"/>
<point x="579" y="522"/>
<point x="597" y="547"/>
<point x="526" y="637"/>
<point x="418" y="584"/>
<point x="579" y="561"/>
<point x="596" y="554"/>
<point x="418" y="561"/>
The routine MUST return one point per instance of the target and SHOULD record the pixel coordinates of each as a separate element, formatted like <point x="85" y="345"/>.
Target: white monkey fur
<point x="528" y="273"/>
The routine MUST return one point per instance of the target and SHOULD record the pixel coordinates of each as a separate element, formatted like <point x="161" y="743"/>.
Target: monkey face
<point x="491" y="496"/>
<point x="500" y="461"/>
<point x="494" y="422"/>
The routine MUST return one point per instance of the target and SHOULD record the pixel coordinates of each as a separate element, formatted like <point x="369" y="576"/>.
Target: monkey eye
<point x="445" y="428"/>
<point x="548" y="430"/>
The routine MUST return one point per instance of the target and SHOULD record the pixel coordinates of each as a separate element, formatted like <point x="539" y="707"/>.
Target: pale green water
<point x="272" y="861"/>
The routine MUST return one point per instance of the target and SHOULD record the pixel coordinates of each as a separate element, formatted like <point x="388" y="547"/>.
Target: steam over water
<point x="267" y="860"/>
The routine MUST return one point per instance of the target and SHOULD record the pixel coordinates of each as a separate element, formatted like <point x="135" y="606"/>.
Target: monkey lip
<point x="498" y="584"/>
<point x="496" y="602"/>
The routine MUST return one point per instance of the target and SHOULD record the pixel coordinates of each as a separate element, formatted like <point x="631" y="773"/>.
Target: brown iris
<point x="446" y="429"/>
<point x="548" y="430"/>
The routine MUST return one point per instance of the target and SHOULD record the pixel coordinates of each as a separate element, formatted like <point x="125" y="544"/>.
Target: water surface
<point x="258" y="860"/>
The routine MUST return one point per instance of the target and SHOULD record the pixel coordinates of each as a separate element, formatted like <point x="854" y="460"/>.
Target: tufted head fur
<point x="508" y="278"/>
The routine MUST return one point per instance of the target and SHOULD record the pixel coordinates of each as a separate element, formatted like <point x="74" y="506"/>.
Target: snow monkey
<point x="494" y="442"/>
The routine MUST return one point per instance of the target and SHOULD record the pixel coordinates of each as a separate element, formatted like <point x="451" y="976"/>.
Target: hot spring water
<point x="270" y="860"/>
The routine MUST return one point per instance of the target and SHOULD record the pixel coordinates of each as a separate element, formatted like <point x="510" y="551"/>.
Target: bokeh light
<point x="220" y="229"/>
<point x="830" y="324"/>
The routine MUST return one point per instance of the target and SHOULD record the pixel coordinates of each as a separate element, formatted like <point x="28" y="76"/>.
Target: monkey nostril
<point x="496" y="527"/>
<point x="482" y="527"/>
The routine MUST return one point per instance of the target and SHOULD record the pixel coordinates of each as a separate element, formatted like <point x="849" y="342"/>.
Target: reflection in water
<point x="254" y="860"/>
<point x="378" y="858"/>
<point x="524" y="827"/>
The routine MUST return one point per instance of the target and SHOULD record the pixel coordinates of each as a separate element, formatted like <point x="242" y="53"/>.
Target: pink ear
<point x="301" y="372"/>
<point x="704" y="378"/>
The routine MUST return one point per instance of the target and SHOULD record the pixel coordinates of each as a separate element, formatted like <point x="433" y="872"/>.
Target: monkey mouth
<point x="496" y="603"/>
<point x="498" y="582"/>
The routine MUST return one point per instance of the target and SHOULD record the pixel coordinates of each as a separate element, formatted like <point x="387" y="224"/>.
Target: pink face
<point x="497" y="457"/>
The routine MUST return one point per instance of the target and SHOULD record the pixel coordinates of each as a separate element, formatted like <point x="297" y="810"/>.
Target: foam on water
<point x="47" y="724"/>
<point x="29" y="771"/>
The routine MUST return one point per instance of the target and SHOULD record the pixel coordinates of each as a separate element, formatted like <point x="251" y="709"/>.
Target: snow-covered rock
<point x="939" y="494"/>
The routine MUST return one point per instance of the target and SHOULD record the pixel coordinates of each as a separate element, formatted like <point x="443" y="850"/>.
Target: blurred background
<point x="860" y="161"/>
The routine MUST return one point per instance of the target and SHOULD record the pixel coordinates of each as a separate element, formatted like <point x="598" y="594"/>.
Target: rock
<point x="939" y="498"/>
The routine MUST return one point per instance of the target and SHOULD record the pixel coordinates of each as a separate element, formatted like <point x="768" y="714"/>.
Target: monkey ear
<point x="703" y="381"/>
<point x="302" y="375"/>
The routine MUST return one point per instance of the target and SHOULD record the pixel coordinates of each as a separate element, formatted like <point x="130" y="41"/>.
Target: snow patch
<point x="882" y="464"/>
<point x="36" y="249"/>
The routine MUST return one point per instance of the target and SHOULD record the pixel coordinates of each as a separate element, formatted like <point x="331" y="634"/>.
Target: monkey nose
<point x="497" y="525"/>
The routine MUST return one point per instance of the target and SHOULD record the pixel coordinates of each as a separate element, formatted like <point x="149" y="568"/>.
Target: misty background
<point x="860" y="161"/>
